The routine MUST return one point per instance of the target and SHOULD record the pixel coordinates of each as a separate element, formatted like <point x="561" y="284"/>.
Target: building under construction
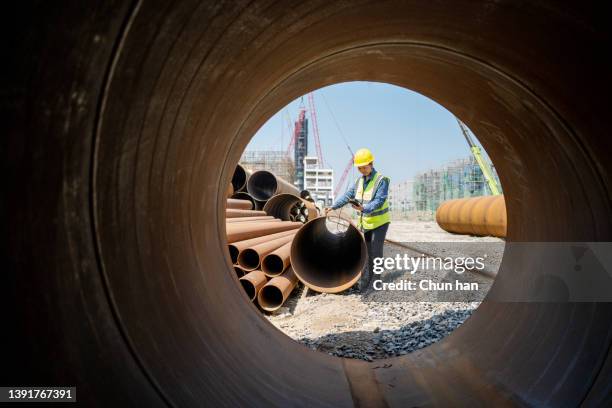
<point x="275" y="161"/>
<point x="457" y="179"/>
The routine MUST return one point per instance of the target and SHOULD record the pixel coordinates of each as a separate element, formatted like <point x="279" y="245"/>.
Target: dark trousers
<point x="375" y="241"/>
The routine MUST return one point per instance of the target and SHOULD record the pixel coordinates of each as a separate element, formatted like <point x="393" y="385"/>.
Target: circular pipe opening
<point x="248" y="259"/>
<point x="272" y="265"/>
<point x="327" y="261"/>
<point x="262" y="185"/>
<point x="140" y="282"/>
<point x="270" y="297"/>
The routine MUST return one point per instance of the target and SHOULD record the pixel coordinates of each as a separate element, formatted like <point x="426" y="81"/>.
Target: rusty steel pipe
<point x="274" y="293"/>
<point x="242" y="231"/>
<point x="236" y="247"/>
<point x="235" y="204"/>
<point x="263" y="185"/>
<point x="266" y="218"/>
<point x="325" y="261"/>
<point x="284" y="205"/>
<point x="474" y="216"/>
<point x="274" y="263"/>
<point x="243" y="195"/>
<point x="250" y="257"/>
<point x="252" y="283"/>
<point x="234" y="213"/>
<point x="239" y="271"/>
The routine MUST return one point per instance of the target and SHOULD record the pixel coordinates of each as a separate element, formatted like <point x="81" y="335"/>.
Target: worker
<point x="368" y="195"/>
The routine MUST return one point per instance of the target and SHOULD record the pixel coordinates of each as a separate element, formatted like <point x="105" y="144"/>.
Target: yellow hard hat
<point x="363" y="157"/>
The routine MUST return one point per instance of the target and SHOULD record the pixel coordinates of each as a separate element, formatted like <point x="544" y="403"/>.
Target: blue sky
<point x="407" y="132"/>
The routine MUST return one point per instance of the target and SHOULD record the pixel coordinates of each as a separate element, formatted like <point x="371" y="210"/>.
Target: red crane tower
<point x="315" y="127"/>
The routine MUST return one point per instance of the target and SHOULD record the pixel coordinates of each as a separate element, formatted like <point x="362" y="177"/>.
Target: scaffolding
<point x="457" y="179"/>
<point x="275" y="161"/>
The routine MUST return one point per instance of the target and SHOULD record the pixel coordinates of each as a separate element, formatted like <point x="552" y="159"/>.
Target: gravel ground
<point x="380" y="325"/>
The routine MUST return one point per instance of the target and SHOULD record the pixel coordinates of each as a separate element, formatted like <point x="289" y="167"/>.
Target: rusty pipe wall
<point x="474" y="216"/>
<point x="235" y="213"/>
<point x="265" y="218"/>
<point x="284" y="205"/>
<point x="274" y="293"/>
<point x="263" y="184"/>
<point x="242" y="231"/>
<point x="123" y="125"/>
<point x="236" y="204"/>
<point x="325" y="261"/>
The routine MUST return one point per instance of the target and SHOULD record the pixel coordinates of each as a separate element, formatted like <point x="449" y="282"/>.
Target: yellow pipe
<point x="474" y="216"/>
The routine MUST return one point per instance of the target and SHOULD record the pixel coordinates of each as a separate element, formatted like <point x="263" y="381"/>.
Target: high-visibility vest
<point x="379" y="216"/>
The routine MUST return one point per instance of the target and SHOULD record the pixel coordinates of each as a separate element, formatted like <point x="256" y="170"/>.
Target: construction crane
<point x="296" y="130"/>
<point x="348" y="167"/>
<point x="484" y="166"/>
<point x="315" y="127"/>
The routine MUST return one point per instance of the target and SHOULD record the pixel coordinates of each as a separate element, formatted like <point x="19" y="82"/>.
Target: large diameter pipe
<point x="474" y="216"/>
<point x="252" y="282"/>
<point x="235" y="204"/>
<point x="277" y="261"/>
<point x="250" y="258"/>
<point x="327" y="261"/>
<point x="234" y="213"/>
<point x="266" y="218"/>
<point x="262" y="185"/>
<point x="240" y="177"/>
<point x="242" y="231"/>
<point x="116" y="316"/>
<point x="274" y="293"/>
<point x="236" y="247"/>
<point x="283" y="206"/>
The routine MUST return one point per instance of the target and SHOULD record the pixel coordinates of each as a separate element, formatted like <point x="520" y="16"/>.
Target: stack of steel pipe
<point x="252" y="237"/>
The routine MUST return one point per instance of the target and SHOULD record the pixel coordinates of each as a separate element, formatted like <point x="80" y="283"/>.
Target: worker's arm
<point x="380" y="195"/>
<point x="340" y="202"/>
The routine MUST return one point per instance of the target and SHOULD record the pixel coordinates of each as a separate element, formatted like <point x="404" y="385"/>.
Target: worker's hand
<point x="357" y="207"/>
<point x="327" y="210"/>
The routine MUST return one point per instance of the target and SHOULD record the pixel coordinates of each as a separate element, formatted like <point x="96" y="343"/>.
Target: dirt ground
<point x="373" y="326"/>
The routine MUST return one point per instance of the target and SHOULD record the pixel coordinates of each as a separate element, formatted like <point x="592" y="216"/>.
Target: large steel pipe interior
<point x="262" y="185"/>
<point x="326" y="260"/>
<point x="126" y="122"/>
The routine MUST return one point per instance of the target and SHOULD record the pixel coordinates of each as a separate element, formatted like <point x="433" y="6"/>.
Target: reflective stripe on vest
<point x="381" y="215"/>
